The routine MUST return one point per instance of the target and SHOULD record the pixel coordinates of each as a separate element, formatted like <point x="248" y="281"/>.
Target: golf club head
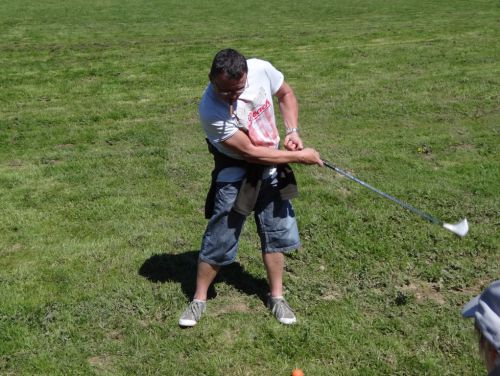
<point x="461" y="228"/>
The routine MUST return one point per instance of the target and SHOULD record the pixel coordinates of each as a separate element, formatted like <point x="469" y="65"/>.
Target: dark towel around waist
<point x="250" y="186"/>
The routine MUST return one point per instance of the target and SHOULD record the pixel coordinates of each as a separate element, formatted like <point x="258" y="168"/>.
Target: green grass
<point x="104" y="170"/>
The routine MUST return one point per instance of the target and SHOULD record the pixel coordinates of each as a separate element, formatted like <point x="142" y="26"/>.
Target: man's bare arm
<point x="241" y="144"/>
<point x="289" y="109"/>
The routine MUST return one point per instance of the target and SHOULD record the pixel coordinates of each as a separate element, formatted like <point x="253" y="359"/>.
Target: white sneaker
<point x="281" y="310"/>
<point x="192" y="314"/>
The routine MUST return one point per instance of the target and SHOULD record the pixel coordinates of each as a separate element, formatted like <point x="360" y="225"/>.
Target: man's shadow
<point x="181" y="268"/>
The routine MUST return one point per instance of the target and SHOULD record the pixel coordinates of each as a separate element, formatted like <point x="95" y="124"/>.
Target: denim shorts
<point x="275" y="220"/>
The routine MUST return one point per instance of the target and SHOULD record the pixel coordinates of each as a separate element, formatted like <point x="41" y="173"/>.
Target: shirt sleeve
<point x="219" y="130"/>
<point x="276" y="78"/>
<point x="215" y="120"/>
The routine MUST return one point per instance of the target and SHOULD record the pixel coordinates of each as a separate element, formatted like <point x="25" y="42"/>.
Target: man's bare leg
<point x="204" y="277"/>
<point x="274" y="263"/>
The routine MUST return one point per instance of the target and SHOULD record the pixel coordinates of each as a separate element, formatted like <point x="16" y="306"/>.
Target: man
<point x="485" y="308"/>
<point x="250" y="174"/>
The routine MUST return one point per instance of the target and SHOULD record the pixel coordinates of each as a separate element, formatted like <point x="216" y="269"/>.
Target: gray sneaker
<point x="281" y="310"/>
<point x="192" y="314"/>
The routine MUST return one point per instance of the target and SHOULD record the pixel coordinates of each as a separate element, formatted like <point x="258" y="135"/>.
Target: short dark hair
<point x="229" y="62"/>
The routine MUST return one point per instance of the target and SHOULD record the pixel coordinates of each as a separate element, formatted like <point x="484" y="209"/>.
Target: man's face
<point x="227" y="89"/>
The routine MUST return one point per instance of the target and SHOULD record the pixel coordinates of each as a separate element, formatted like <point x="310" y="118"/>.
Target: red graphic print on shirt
<point x="261" y="126"/>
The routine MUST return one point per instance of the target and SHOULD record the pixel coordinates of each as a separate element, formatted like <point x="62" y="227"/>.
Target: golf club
<point x="461" y="228"/>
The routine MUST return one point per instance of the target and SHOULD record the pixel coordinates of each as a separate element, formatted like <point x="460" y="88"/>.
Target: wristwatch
<point x="291" y="130"/>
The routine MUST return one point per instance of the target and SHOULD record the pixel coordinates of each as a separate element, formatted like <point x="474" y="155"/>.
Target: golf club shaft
<point x="405" y="205"/>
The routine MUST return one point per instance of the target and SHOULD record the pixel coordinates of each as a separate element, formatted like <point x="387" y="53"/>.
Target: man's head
<point x="228" y="74"/>
<point x="485" y="308"/>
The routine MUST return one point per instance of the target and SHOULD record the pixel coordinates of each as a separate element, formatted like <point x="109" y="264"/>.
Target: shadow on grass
<point x="181" y="268"/>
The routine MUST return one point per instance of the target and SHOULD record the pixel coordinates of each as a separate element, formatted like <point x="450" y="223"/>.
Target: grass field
<point x="104" y="171"/>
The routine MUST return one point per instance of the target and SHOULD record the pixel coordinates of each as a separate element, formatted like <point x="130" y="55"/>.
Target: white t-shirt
<point x="253" y="113"/>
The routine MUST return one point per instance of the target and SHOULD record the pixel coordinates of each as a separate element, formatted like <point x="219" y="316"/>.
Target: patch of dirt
<point x="230" y="335"/>
<point x="143" y="323"/>
<point x="15" y="163"/>
<point x="101" y="362"/>
<point x="425" y="291"/>
<point x="15" y="248"/>
<point x="476" y="288"/>
<point x="51" y="161"/>
<point x="344" y="192"/>
<point x="235" y="307"/>
<point x="463" y="147"/>
<point x="116" y="335"/>
<point x="331" y="295"/>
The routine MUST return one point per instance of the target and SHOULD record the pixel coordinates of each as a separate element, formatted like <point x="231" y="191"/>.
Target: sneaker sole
<point x="288" y="321"/>
<point x="187" y="323"/>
